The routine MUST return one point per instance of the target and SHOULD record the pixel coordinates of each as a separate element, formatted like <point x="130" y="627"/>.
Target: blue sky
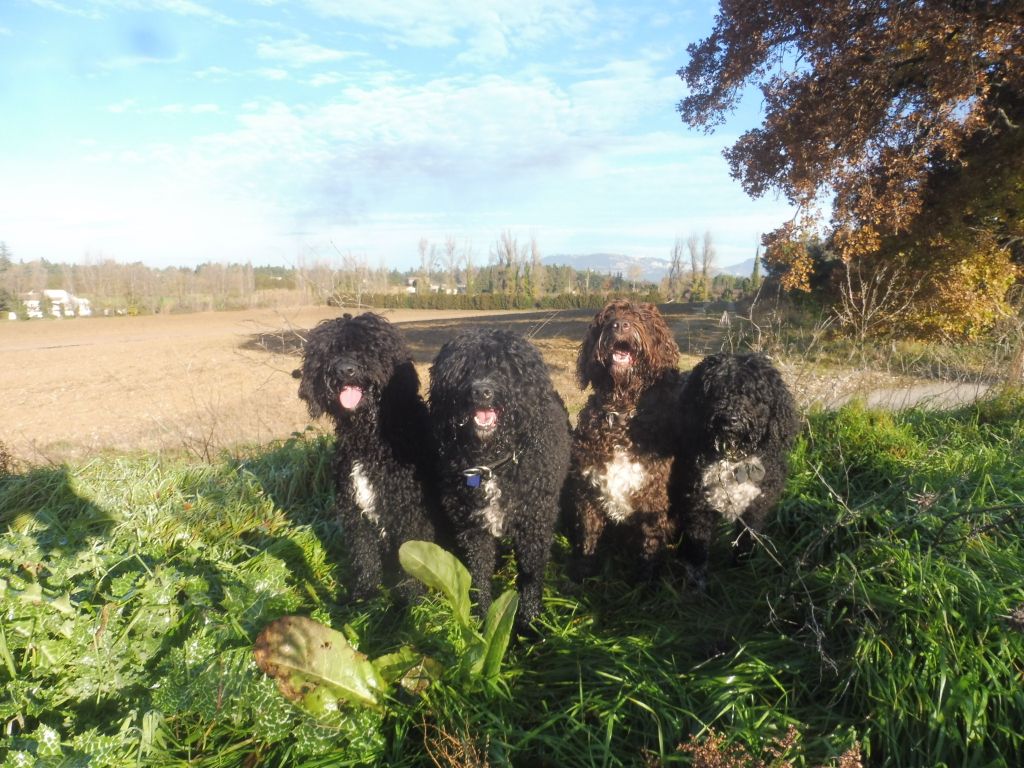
<point x="174" y="132"/>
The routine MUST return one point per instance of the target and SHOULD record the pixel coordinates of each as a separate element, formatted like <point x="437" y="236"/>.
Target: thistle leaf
<point x="315" y="666"/>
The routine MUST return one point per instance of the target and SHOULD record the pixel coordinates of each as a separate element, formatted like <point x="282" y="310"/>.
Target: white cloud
<point x="185" y="8"/>
<point x="53" y="5"/>
<point x="451" y="132"/>
<point x="192" y="109"/>
<point x="326" y="78"/>
<point x="271" y="73"/>
<point x="298" y="52"/>
<point x="492" y="29"/>
<point x="127" y="105"/>
<point x="177" y="7"/>
<point x="95" y="9"/>
<point x="131" y="62"/>
<point x="215" y="74"/>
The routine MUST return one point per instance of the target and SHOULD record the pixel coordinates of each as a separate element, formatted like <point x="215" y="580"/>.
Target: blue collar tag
<point x="473" y="480"/>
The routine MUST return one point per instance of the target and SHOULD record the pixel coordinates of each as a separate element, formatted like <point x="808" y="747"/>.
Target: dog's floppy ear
<point x="784" y="419"/>
<point x="312" y="373"/>
<point x="310" y="388"/>
<point x="664" y="350"/>
<point x="585" y="358"/>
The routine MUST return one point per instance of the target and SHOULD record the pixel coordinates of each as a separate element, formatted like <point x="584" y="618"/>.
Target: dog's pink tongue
<point x="486" y="417"/>
<point x="350" y="397"/>
<point x="622" y="358"/>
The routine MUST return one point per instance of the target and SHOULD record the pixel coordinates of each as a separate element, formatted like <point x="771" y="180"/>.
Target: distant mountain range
<point x="652" y="269"/>
<point x="743" y="269"/>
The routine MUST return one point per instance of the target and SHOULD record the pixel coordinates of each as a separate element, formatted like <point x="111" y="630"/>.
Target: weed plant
<point x="808" y="336"/>
<point x="883" y="608"/>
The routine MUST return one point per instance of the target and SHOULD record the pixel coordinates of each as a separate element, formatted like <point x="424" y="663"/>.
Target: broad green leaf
<point x="439" y="570"/>
<point x="498" y="631"/>
<point x="315" y="666"/>
<point x="471" y="663"/>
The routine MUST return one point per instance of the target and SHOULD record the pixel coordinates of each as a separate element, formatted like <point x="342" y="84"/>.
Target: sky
<point x="175" y="132"/>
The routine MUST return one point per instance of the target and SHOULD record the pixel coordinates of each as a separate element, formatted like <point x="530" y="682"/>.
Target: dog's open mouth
<point x="622" y="354"/>
<point x="486" y="419"/>
<point x="350" y="397"/>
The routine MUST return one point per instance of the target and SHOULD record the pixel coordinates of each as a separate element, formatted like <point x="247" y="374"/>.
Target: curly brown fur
<point x="736" y="423"/>
<point x="503" y="439"/>
<point x="617" y="491"/>
<point x="359" y="371"/>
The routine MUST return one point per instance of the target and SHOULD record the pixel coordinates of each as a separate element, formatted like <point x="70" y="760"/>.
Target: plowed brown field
<point x="201" y="382"/>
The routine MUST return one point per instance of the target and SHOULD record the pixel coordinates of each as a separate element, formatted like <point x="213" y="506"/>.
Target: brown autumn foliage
<point x="875" y="105"/>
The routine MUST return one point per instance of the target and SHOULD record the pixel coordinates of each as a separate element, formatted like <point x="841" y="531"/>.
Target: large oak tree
<point x="866" y="104"/>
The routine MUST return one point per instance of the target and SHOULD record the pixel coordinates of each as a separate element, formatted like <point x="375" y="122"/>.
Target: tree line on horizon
<point x="513" y="277"/>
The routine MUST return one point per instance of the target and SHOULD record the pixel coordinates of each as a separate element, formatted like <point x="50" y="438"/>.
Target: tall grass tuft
<point x="882" y="612"/>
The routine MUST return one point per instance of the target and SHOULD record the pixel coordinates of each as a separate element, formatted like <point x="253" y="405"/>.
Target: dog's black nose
<point x="346" y="368"/>
<point x="620" y="325"/>
<point x="483" y="392"/>
<point x="723" y="421"/>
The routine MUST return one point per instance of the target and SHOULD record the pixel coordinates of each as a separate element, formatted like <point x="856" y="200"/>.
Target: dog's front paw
<point x="697" y="577"/>
<point x="525" y="630"/>
<point x="582" y="567"/>
<point x="524" y="621"/>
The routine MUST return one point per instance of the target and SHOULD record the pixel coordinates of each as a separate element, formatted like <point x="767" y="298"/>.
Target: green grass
<point x="880" y="610"/>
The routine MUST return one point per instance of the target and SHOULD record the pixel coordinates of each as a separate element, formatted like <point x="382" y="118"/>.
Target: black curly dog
<point x="359" y="371"/>
<point x="737" y="422"/>
<point x="503" y="439"/>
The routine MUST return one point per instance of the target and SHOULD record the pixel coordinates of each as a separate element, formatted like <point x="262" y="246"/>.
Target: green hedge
<point x="489" y="301"/>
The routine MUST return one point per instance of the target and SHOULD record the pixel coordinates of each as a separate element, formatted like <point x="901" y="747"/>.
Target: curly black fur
<point x="737" y="422"/>
<point x="503" y="439"/>
<point x="616" y="497"/>
<point x="359" y="371"/>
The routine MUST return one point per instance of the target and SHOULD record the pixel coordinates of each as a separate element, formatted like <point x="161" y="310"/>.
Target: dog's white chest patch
<point x="490" y="516"/>
<point x="364" y="494"/>
<point x="727" y="494"/>
<point x="617" y="482"/>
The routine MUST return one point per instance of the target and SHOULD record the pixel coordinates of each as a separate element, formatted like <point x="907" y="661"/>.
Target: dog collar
<point x="617" y="417"/>
<point x="474" y="475"/>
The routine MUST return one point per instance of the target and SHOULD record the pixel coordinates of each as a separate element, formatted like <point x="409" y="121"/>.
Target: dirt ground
<point x="206" y="382"/>
<point x="202" y="382"/>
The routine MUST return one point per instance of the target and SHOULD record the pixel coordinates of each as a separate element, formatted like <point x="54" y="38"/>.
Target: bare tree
<point x="450" y="261"/>
<point x="874" y="297"/>
<point x="509" y="258"/>
<point x="634" y="272"/>
<point x="353" y="276"/>
<point x="693" y="248"/>
<point x="427" y="255"/>
<point x="707" y="262"/>
<point x="536" y="267"/>
<point x="675" y="270"/>
<point x="467" y="258"/>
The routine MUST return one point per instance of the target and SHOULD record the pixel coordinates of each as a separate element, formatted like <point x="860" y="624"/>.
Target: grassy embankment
<point x="886" y="608"/>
